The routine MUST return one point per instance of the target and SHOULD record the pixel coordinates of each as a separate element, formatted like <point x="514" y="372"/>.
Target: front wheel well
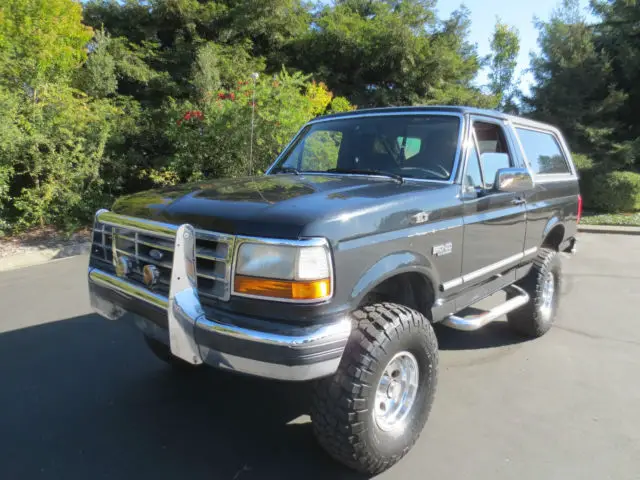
<point x="410" y="289"/>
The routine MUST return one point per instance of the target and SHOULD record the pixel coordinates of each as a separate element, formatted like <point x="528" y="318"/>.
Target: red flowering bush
<point x="220" y="146"/>
<point x="191" y="114"/>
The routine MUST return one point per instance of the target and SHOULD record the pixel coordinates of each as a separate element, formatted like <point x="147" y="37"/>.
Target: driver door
<point x="494" y="222"/>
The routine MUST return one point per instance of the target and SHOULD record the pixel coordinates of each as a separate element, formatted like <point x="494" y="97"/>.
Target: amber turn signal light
<point x="288" y="289"/>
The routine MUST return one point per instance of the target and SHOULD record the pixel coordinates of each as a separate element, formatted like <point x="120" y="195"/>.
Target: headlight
<point x="285" y="272"/>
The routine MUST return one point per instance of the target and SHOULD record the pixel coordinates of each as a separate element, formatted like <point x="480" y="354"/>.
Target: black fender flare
<point x="553" y="222"/>
<point x="390" y="266"/>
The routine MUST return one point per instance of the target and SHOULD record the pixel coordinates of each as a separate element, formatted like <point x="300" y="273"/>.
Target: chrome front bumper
<point x="278" y="351"/>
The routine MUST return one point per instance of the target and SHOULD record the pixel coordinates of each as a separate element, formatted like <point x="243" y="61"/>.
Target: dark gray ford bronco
<point x="333" y="266"/>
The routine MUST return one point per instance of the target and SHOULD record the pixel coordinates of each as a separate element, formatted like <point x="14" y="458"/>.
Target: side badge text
<point x="444" y="249"/>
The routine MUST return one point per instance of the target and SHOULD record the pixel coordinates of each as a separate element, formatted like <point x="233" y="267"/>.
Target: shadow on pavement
<point x="492" y="335"/>
<point x="83" y="398"/>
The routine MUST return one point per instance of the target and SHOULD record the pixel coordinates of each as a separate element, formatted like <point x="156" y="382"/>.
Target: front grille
<point x="214" y="255"/>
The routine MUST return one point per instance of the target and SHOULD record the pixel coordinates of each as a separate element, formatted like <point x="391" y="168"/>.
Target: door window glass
<point x="473" y="175"/>
<point x="494" y="151"/>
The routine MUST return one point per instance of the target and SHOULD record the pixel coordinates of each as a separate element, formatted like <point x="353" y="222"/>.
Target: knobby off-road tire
<point x="536" y="317"/>
<point x="163" y="352"/>
<point x="343" y="414"/>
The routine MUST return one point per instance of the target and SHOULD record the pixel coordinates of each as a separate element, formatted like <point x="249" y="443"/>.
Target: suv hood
<point x="279" y="206"/>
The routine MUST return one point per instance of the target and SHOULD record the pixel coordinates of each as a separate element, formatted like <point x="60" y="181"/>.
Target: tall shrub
<point x="213" y="138"/>
<point x="616" y="192"/>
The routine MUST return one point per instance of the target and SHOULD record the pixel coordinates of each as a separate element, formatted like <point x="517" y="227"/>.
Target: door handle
<point x="518" y="201"/>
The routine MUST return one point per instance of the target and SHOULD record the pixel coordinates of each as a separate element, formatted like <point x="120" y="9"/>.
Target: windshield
<point x="413" y="146"/>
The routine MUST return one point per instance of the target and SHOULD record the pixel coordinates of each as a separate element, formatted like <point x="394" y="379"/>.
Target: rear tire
<point x="163" y="352"/>
<point x="370" y="413"/>
<point x="542" y="283"/>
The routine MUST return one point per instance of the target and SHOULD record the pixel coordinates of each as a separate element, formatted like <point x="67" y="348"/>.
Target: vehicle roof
<point x="460" y="110"/>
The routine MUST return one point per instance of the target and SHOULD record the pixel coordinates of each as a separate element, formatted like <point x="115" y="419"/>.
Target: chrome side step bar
<point x="476" y="322"/>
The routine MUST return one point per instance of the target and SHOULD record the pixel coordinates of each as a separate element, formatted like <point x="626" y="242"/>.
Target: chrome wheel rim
<point x="547" y="295"/>
<point x="396" y="392"/>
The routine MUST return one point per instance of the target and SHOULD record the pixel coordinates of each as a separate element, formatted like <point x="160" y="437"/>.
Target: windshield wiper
<point x="295" y="171"/>
<point x="395" y="176"/>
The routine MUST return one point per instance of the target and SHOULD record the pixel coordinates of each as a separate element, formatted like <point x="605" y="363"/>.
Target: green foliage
<point x="98" y="77"/>
<point x="40" y="41"/>
<point x="55" y="159"/>
<point x="391" y="53"/>
<point x="104" y="98"/>
<point x="9" y="108"/>
<point x="582" y="162"/>
<point x="624" y="219"/>
<point x="212" y="139"/>
<point x="505" y="46"/>
<point x="587" y="80"/>
<point x="616" y="192"/>
<point x="570" y="73"/>
<point x="218" y="66"/>
<point x="587" y="174"/>
<point x="52" y="136"/>
<point x="340" y="104"/>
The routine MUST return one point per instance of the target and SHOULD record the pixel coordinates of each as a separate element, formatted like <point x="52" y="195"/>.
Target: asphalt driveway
<point x="81" y="398"/>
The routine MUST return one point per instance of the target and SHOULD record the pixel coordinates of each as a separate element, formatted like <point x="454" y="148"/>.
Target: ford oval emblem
<point x="156" y="254"/>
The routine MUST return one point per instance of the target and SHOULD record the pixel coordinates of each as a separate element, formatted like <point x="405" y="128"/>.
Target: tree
<point x="587" y="79"/>
<point x="41" y="41"/>
<point x="616" y="37"/>
<point x="170" y="35"/>
<point x="505" y="47"/>
<point x="212" y="137"/>
<point x="574" y="86"/>
<point x="378" y="52"/>
<point x="98" y="77"/>
<point x="52" y="135"/>
<point x="154" y="92"/>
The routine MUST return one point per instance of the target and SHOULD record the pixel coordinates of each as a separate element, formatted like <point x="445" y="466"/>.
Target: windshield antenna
<point x="255" y="77"/>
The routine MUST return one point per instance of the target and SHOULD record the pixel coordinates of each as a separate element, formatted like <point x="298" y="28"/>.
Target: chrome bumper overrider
<point x="187" y="323"/>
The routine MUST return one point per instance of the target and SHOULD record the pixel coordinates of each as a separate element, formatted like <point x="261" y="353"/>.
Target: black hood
<point x="285" y="206"/>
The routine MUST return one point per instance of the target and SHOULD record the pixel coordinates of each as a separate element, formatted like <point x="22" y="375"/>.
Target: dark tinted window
<point x="414" y="146"/>
<point x="542" y="151"/>
<point x="490" y="138"/>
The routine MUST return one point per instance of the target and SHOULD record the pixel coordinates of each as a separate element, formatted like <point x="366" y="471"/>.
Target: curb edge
<point x="43" y="256"/>
<point x="612" y="229"/>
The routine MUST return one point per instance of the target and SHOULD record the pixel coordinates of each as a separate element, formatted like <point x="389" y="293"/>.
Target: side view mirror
<point x="491" y="163"/>
<point x="513" y="180"/>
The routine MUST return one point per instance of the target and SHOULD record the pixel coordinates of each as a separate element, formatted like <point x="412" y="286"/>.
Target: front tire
<point x="371" y="412"/>
<point x="542" y="283"/>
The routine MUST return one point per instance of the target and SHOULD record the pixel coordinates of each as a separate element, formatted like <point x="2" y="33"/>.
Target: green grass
<point x="631" y="219"/>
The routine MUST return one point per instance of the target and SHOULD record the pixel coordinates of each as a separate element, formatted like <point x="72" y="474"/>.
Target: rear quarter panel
<point x="551" y="203"/>
<point x="554" y="199"/>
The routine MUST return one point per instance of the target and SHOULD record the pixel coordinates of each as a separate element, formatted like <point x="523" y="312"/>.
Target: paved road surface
<point x="81" y="398"/>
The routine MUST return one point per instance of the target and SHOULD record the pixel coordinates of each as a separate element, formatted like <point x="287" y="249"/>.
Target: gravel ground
<point x="41" y="239"/>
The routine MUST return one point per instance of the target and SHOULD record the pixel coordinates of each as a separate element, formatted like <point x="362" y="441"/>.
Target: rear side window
<point x="543" y="152"/>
